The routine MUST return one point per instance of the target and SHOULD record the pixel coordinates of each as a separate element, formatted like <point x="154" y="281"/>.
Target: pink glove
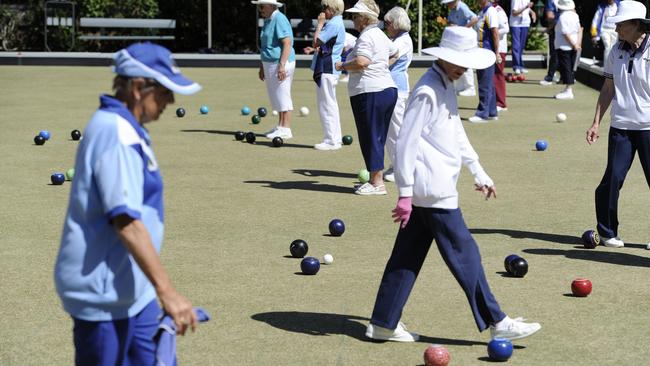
<point x="402" y="212"/>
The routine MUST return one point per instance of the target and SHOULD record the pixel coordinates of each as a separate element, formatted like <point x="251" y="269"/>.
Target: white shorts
<point x="279" y="91"/>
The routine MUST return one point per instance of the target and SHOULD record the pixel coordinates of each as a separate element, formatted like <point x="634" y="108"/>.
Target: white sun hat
<point x="361" y="8"/>
<point x="446" y="1"/>
<point x="459" y="46"/>
<point x="565" y="4"/>
<point x="628" y="10"/>
<point x="267" y="2"/>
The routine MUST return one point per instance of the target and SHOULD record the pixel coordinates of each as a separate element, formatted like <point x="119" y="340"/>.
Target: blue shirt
<point x="332" y="36"/>
<point x="461" y="14"/>
<point x="275" y="29"/>
<point x="116" y="173"/>
<point x="550" y="6"/>
<point x="399" y="70"/>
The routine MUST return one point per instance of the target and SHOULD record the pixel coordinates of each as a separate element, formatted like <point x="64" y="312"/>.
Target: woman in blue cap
<point x="108" y="272"/>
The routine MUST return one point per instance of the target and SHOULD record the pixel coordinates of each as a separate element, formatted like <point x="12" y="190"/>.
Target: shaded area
<point x="520" y="234"/>
<point x="323" y="173"/>
<point x="621" y="259"/>
<point x="530" y="97"/>
<point x="258" y="142"/>
<point x="311" y="185"/>
<point x="325" y="324"/>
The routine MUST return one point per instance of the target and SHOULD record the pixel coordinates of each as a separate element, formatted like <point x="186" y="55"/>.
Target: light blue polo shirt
<point x="399" y="70"/>
<point x="276" y="27"/>
<point x="116" y="173"/>
<point x="461" y="14"/>
<point x="333" y="37"/>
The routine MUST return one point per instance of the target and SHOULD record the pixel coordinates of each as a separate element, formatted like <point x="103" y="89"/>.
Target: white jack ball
<point x="304" y="111"/>
<point x="560" y="117"/>
<point x="328" y="259"/>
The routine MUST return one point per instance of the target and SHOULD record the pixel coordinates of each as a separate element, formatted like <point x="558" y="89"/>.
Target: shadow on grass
<point x="530" y="97"/>
<point x="519" y="234"/>
<point x="322" y="173"/>
<point x="258" y="142"/>
<point x="621" y="259"/>
<point x="302" y="185"/>
<point x="324" y="324"/>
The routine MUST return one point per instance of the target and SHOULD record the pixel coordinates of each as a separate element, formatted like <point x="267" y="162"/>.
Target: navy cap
<point x="149" y="60"/>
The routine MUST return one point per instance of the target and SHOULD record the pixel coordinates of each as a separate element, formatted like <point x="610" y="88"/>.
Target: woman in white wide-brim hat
<point x="626" y="88"/>
<point x="278" y="63"/>
<point x="431" y="147"/>
<point x="372" y="91"/>
<point x="568" y="42"/>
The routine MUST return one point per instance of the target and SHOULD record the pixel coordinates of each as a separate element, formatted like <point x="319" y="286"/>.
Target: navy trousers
<point x="487" y="94"/>
<point x="372" y="113"/>
<point x="519" y="36"/>
<point x="623" y="145"/>
<point x="460" y="253"/>
<point x="552" y="62"/>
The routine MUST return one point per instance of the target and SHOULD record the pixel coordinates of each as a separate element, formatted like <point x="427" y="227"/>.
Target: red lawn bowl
<point x="581" y="287"/>
<point x="509" y="77"/>
<point x="436" y="355"/>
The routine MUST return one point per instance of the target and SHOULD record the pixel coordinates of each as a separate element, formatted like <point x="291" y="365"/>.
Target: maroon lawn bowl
<point x="436" y="355"/>
<point x="581" y="287"/>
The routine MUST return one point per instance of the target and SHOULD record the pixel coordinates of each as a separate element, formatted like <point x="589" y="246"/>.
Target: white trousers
<point x="609" y="38"/>
<point x="395" y="125"/>
<point x="328" y="108"/>
<point x="465" y="82"/>
<point x="279" y="91"/>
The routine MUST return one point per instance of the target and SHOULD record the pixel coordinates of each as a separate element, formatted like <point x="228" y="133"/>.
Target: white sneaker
<point x="477" y="119"/>
<point x="513" y="329"/>
<point x="368" y="189"/>
<point x="283" y="132"/>
<point x="324" y="146"/>
<point x="545" y="82"/>
<point x="517" y="72"/>
<point x="271" y="131"/>
<point x="648" y="246"/>
<point x="469" y="92"/>
<point x="612" y="242"/>
<point x="345" y="78"/>
<point x="525" y="71"/>
<point x="389" y="175"/>
<point x="501" y="109"/>
<point x="564" y="95"/>
<point x="399" y="334"/>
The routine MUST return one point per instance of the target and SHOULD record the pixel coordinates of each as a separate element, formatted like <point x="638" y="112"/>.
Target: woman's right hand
<point x="261" y="73"/>
<point x="339" y="66"/>
<point x="180" y="309"/>
<point x="592" y="133"/>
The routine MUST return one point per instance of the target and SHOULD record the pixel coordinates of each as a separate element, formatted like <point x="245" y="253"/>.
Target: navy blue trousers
<point x="487" y="94"/>
<point x="623" y="145"/>
<point x="552" y="62"/>
<point x="460" y="253"/>
<point x="519" y="36"/>
<point x="126" y="342"/>
<point x="372" y="113"/>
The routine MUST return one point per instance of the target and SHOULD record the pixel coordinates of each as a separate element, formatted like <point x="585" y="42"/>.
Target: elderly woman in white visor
<point x="372" y="91"/>
<point x="431" y="147"/>
<point x="278" y="63"/>
<point x="626" y="88"/>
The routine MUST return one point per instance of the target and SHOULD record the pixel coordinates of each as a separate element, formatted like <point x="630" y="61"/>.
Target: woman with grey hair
<point x="372" y="91"/>
<point x="278" y="63"/>
<point x="329" y="39"/>
<point x="398" y="25"/>
<point x="626" y="88"/>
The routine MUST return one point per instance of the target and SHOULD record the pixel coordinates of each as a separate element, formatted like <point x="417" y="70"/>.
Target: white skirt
<point x="279" y="91"/>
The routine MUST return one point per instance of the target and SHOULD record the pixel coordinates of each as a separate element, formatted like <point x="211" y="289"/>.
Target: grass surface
<point x="233" y="208"/>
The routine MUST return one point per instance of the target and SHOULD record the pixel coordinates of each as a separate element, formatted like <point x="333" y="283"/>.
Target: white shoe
<point x="648" y="246"/>
<point x="324" y="146"/>
<point x="525" y="71"/>
<point x="513" y="329"/>
<point x="345" y="78"/>
<point x="545" y="82"/>
<point x="271" y="131"/>
<point x="612" y="242"/>
<point x="501" y="109"/>
<point x="477" y="119"/>
<point x="389" y="175"/>
<point x="469" y="92"/>
<point x="565" y="95"/>
<point x="517" y="72"/>
<point x="283" y="132"/>
<point x="399" y="334"/>
<point x="368" y="189"/>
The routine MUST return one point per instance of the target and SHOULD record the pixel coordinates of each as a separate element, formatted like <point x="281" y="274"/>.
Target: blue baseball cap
<point x="149" y="60"/>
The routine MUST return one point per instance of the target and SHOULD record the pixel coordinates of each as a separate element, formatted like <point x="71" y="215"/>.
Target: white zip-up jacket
<point x="432" y="145"/>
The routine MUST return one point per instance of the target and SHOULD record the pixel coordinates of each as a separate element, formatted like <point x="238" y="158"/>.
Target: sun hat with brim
<point x="267" y="2"/>
<point x="446" y="1"/>
<point x="565" y="4"/>
<point x="628" y="10"/>
<point x="458" y="46"/>
<point x="361" y="8"/>
<point x="149" y="60"/>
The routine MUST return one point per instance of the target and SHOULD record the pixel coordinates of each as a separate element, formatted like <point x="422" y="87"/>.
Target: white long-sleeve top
<point x="432" y="145"/>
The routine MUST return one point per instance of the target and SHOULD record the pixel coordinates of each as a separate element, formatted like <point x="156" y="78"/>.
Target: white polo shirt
<point x="630" y="72"/>
<point x="374" y="45"/>
<point x="523" y="19"/>
<point x="432" y="145"/>
<point x="504" y="29"/>
<point x="568" y="24"/>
